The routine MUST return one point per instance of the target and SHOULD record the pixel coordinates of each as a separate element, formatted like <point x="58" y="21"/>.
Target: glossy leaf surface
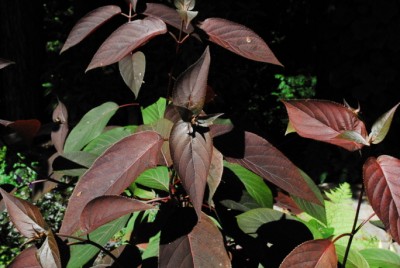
<point x="59" y="134"/>
<point x="112" y="173"/>
<point x="381" y="127"/>
<point x="132" y="68"/>
<point x="381" y="180"/>
<point x="215" y="174"/>
<point x="268" y="162"/>
<point x="89" y="23"/>
<point x="125" y="39"/>
<point x="27" y="258"/>
<point x="325" y="121"/>
<point x="238" y="39"/>
<point x="319" y="253"/>
<point x="4" y="63"/>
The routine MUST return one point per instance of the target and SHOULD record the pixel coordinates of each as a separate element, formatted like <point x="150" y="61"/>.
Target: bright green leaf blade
<point x="382" y="126"/>
<point x="81" y="254"/>
<point x="154" y="112"/>
<point x="354" y="260"/>
<point x="383" y="258"/>
<point x="90" y="126"/>
<point x="253" y="183"/>
<point x="152" y="249"/>
<point x="155" y="178"/>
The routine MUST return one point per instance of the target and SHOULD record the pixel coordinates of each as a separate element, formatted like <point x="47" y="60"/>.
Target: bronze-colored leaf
<point x="48" y="254"/>
<point x="59" y="134"/>
<point x="26" y="259"/>
<point x="26" y="129"/>
<point x="382" y="125"/>
<point x="215" y="174"/>
<point x="132" y="68"/>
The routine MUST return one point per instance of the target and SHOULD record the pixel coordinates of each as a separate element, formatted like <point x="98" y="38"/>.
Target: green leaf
<point x="354" y="260"/>
<point x="245" y="203"/>
<point x="82" y="253"/>
<point x="383" y="258"/>
<point x="155" y="178"/>
<point x="253" y="183"/>
<point x="382" y="126"/>
<point x="152" y="249"/>
<point x="81" y="158"/>
<point x="154" y="112"/>
<point x="90" y="126"/>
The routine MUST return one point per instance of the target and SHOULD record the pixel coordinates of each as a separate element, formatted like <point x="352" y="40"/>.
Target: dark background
<point x="352" y="47"/>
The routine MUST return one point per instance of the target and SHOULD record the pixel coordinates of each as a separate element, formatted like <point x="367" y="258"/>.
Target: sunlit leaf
<point x="89" y="23"/>
<point x="319" y="253"/>
<point x="215" y="174"/>
<point x="379" y="257"/>
<point x="132" y="68"/>
<point x="382" y="185"/>
<point x="154" y="112"/>
<point x="155" y="178"/>
<point x="354" y="136"/>
<point x="59" y="134"/>
<point x="27" y="258"/>
<point x="112" y="173"/>
<point x="48" y="253"/>
<point x="238" y="39"/>
<point x="325" y="121"/>
<point x="125" y="39"/>
<point x="354" y="259"/>
<point x="382" y="126"/>
<point x="4" y="63"/>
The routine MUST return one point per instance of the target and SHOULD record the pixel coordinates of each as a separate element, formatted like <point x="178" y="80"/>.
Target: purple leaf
<point x="27" y="129"/>
<point x="132" y="68"/>
<point x="26" y="259"/>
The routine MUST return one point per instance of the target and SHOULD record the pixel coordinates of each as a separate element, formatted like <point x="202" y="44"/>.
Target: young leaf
<point x="268" y="162"/>
<point x="94" y="215"/>
<point x="4" y="63"/>
<point x="90" y="126"/>
<point x="26" y="129"/>
<point x="318" y="253"/>
<point x="125" y="39"/>
<point x="155" y="178"/>
<point x="238" y="39"/>
<point x="89" y="23"/>
<point x="132" y="68"/>
<point x="351" y="135"/>
<point x="112" y="173"/>
<point x="382" y="126"/>
<point x="215" y="174"/>
<point x="325" y="121"/>
<point x="381" y="180"/>
<point x="379" y="257"/>
<point x="154" y="112"/>
<point x="27" y="258"/>
<point x="168" y="15"/>
<point x="191" y="153"/>
<point x="191" y="86"/>
<point x="48" y="253"/>
<point x="58" y="135"/>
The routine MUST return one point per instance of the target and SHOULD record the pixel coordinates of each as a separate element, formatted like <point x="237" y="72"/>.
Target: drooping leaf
<point x="132" y="68"/>
<point x="238" y="39"/>
<point x="90" y="126"/>
<point x="154" y="112"/>
<point x="354" y="259"/>
<point x="382" y="126"/>
<point x="191" y="153"/>
<point x="27" y="258"/>
<point x="155" y="178"/>
<point x="245" y="203"/>
<point x="220" y="126"/>
<point x="26" y="217"/>
<point x="171" y="113"/>
<point x="381" y="180"/>
<point x="125" y="39"/>
<point x="379" y="257"/>
<point x="168" y="15"/>
<point x="112" y="173"/>
<point x="48" y="254"/>
<point x="268" y="162"/>
<point x="215" y="174"/>
<point x="203" y="246"/>
<point x="59" y="134"/>
<point x="94" y="215"/>
<point x="325" y="121"/>
<point x="26" y="129"/>
<point x="319" y="253"/>
<point x="4" y="63"/>
<point x="89" y="23"/>
<point x="191" y="86"/>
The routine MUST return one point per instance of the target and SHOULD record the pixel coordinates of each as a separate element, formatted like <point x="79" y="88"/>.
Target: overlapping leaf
<point x="155" y="178"/>
<point x="89" y="23"/>
<point x="125" y="39"/>
<point x="48" y="254"/>
<point x="58" y="135"/>
<point x="4" y="63"/>
<point x="326" y="121"/>
<point x="238" y="39"/>
<point x="319" y="253"/>
<point x="268" y="162"/>
<point x="381" y="179"/>
<point x="112" y="173"/>
<point x="154" y="111"/>
<point x="27" y="258"/>
<point x="215" y="174"/>
<point x="381" y="126"/>
<point x="132" y="68"/>
<point x="26" y="129"/>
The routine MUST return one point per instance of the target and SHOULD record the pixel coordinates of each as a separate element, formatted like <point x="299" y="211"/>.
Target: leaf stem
<point x="129" y="104"/>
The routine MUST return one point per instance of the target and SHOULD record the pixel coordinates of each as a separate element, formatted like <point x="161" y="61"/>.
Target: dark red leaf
<point x="286" y="202"/>
<point x="168" y="15"/>
<point x="112" y="173"/>
<point x="94" y="215"/>
<point x="202" y="247"/>
<point x="89" y="23"/>
<point x="4" y="63"/>
<point x="382" y="184"/>
<point x="125" y="39"/>
<point x="26" y="259"/>
<point x="238" y="39"/>
<point x="191" y="153"/>
<point x="48" y="254"/>
<point x="320" y="253"/>
<point x="171" y="113"/>
<point x="58" y="135"/>
<point x="325" y="121"/>
<point x="268" y="162"/>
<point x="27" y="129"/>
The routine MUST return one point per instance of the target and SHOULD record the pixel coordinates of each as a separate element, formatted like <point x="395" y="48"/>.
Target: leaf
<point x="155" y="178"/>
<point x="315" y="253"/>
<point x="58" y="135"/>
<point x="90" y="126"/>
<point x="154" y="112"/>
<point x="325" y="121"/>
<point x="354" y="259"/>
<point x="125" y="39"/>
<point x="48" y="253"/>
<point x="381" y="126"/>
<point x="191" y="86"/>
<point x="112" y="173"/>
<point x="215" y="174"/>
<point x="89" y="23"/>
<point x="94" y="215"/>
<point x="26" y="217"/>
<point x="201" y="247"/>
<point x="381" y="180"/>
<point x="168" y="15"/>
<point x="220" y="126"/>
<point x="379" y="257"/>
<point x="254" y="185"/>
<point x="26" y="129"/>
<point x="132" y="68"/>
<point x="4" y="63"/>
<point x="238" y="39"/>
<point x="191" y="153"/>
<point x="187" y="16"/>
<point x="268" y="162"/>
<point x="27" y="259"/>
<point x="351" y="135"/>
<point x="245" y="203"/>
<point x="153" y="247"/>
